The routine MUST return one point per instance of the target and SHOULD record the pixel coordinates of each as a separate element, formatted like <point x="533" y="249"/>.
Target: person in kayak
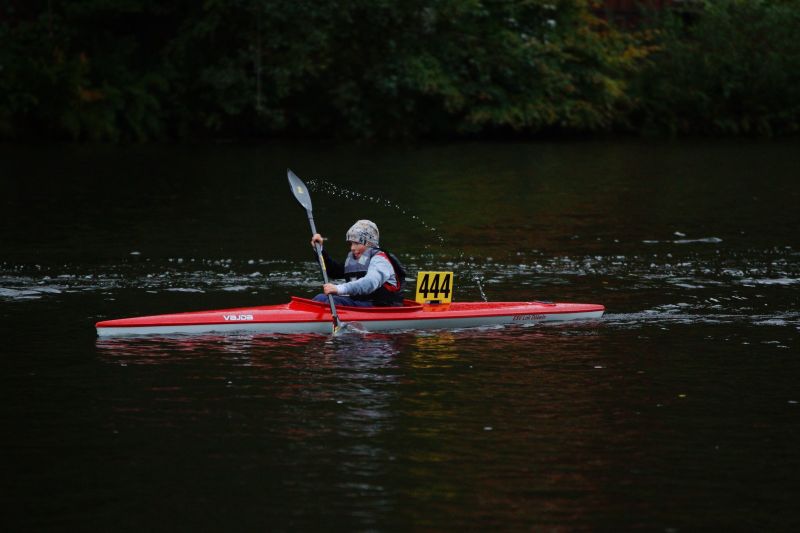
<point x="375" y="276"/>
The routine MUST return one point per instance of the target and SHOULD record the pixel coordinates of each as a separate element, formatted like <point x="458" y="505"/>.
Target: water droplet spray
<point x="323" y="186"/>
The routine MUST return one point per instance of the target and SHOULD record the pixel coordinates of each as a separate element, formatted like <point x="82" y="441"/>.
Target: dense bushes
<point x="143" y="69"/>
<point x="734" y="68"/>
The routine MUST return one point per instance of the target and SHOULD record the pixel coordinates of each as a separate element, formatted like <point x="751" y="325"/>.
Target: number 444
<point x="434" y="287"/>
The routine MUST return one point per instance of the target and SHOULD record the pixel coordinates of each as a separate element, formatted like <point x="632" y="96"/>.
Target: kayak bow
<point x="301" y="315"/>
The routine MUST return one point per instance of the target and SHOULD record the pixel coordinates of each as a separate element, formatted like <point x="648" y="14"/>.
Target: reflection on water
<point x="355" y="347"/>
<point x="151" y="348"/>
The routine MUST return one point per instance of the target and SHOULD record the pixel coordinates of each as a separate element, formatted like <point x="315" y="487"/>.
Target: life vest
<point x="386" y="295"/>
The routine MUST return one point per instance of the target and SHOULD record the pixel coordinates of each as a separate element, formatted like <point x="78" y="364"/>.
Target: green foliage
<point x="526" y="66"/>
<point x="79" y="70"/>
<point x="144" y="69"/>
<point x="734" y="69"/>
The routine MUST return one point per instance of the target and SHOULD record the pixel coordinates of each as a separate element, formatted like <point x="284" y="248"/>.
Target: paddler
<point x="374" y="276"/>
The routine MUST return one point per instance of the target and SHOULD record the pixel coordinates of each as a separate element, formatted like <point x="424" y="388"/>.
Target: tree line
<point x="143" y="70"/>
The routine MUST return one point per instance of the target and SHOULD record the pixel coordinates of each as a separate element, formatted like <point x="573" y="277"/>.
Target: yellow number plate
<point x="434" y="287"/>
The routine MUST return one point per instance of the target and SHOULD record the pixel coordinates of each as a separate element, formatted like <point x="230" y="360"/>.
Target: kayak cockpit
<point x="305" y="304"/>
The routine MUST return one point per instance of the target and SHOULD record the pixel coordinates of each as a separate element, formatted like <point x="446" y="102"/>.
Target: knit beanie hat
<point x="364" y="232"/>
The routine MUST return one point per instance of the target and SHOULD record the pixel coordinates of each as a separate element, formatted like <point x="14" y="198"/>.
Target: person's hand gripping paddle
<point x="300" y="192"/>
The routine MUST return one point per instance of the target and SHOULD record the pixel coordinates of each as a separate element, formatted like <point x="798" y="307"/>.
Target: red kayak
<point x="301" y="315"/>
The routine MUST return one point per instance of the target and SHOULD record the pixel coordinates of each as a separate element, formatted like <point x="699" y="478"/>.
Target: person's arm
<point x="380" y="271"/>
<point x="334" y="268"/>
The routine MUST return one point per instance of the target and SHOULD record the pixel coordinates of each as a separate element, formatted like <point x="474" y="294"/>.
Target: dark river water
<point x="678" y="411"/>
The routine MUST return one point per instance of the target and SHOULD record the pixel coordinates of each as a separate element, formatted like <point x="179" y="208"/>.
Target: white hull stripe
<point x="324" y="327"/>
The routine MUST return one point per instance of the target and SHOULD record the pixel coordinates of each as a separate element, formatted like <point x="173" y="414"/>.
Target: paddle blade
<point x="299" y="190"/>
<point x="349" y="328"/>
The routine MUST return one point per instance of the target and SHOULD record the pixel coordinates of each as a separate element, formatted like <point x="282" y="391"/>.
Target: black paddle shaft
<point x="318" y="248"/>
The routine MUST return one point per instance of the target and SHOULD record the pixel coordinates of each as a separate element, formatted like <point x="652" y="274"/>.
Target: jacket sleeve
<point x="334" y="268"/>
<point x="379" y="272"/>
